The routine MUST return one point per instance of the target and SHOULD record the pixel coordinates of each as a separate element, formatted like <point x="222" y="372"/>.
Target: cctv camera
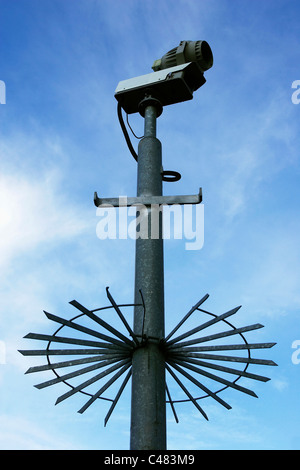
<point x="187" y="51"/>
<point x="169" y="86"/>
<point x="175" y="78"/>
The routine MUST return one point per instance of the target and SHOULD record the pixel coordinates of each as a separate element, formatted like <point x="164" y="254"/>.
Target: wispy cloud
<point x="33" y="212"/>
<point x="262" y="146"/>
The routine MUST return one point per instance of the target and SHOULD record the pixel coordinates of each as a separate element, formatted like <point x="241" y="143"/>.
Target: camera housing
<point x="169" y="86"/>
<point x="187" y="51"/>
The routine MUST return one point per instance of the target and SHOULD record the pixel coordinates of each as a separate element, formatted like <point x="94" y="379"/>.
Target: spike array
<point x="184" y="360"/>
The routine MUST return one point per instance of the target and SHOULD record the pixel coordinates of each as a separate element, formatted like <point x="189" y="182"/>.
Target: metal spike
<point x="186" y="317"/>
<point x="121" y="316"/>
<point x="101" y="322"/>
<point x="62" y="339"/>
<point x="204" y="325"/>
<point x="74" y="362"/>
<point x="218" y="379"/>
<point x="218" y="357"/>
<point x="66" y="352"/>
<point x="201" y="386"/>
<point x="172" y="405"/>
<point x="227" y="370"/>
<point x="223" y="334"/>
<point x="124" y="383"/>
<point x="92" y="380"/>
<point x="102" y="389"/>
<point x="226" y="347"/>
<point x="76" y="373"/>
<point x="83" y="329"/>
<point x="186" y="391"/>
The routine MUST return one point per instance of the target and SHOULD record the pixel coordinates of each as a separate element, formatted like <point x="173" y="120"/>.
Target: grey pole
<point x="148" y="409"/>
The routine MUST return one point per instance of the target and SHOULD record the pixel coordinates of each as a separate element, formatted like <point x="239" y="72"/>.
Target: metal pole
<point x="148" y="409"/>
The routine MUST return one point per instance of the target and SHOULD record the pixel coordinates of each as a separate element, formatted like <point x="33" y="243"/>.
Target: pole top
<point x="150" y="101"/>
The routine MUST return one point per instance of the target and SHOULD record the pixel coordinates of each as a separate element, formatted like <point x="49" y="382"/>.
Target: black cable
<point x="123" y="127"/>
<point x="170" y="176"/>
<point x="128" y="124"/>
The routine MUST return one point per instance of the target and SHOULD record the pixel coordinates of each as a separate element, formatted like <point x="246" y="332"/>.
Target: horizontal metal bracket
<point x="124" y="201"/>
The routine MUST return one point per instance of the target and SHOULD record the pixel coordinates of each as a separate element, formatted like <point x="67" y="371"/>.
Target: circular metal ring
<point x="167" y="401"/>
<point x="171" y="176"/>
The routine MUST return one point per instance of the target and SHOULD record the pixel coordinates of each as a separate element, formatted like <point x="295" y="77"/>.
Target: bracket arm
<point x="124" y="201"/>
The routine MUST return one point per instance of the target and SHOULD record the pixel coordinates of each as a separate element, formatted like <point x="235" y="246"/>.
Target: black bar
<point x="102" y="389"/>
<point x="121" y="317"/>
<point x="223" y="334"/>
<point x="201" y="386"/>
<point x="124" y="383"/>
<point x="83" y="329"/>
<point x="100" y="321"/>
<point x="186" y="391"/>
<point x="204" y="325"/>
<point x="92" y="380"/>
<point x="186" y="317"/>
<point x="76" y="373"/>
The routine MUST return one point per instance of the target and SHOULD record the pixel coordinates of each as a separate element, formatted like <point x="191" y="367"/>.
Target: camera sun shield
<point x="169" y="86"/>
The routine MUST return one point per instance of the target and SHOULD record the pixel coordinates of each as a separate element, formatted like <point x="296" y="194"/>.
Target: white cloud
<point x="36" y="217"/>
<point x="32" y="213"/>
<point x="33" y="206"/>
<point x="256" y="150"/>
<point x="280" y="384"/>
<point x="272" y="283"/>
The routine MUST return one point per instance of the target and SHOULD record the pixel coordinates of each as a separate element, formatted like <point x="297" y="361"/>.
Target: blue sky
<point x="60" y="141"/>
